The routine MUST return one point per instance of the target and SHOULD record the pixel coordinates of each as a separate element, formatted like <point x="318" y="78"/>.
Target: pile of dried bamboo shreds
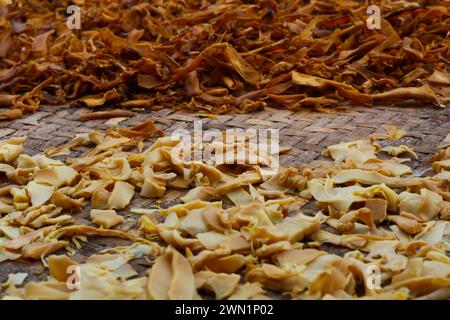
<point x="237" y="233"/>
<point x="221" y="56"/>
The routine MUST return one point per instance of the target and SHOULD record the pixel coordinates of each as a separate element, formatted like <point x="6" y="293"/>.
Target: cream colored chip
<point x="222" y="284"/>
<point x="358" y="151"/>
<point x="121" y="195"/>
<point x="395" y="151"/>
<point x="171" y="277"/>
<point x="39" y="193"/>
<point x="9" y="151"/>
<point x="257" y="239"/>
<point x="425" y="205"/>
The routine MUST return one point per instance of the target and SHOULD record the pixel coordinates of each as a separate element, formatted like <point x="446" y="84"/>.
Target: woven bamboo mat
<point x="307" y="132"/>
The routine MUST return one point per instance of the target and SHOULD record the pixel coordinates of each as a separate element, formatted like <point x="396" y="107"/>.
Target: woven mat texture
<point x="307" y="132"/>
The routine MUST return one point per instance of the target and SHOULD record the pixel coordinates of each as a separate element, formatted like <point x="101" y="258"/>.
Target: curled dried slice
<point x="24" y="239"/>
<point x="299" y="227"/>
<point x="7" y="208"/>
<point x="378" y="208"/>
<point x="247" y="291"/>
<point x="203" y="193"/>
<point x="345" y="90"/>
<point x="169" y="232"/>
<point x="420" y="93"/>
<point x="171" y="278"/>
<point x="260" y="234"/>
<point x="193" y="223"/>
<point x="99" y="99"/>
<point x="270" y="250"/>
<point x="442" y="165"/>
<point x="39" y="193"/>
<point x="213" y="218"/>
<point x="289" y="179"/>
<point x="105" y="115"/>
<point x="406" y="224"/>
<point x="295" y="257"/>
<point x="50" y="290"/>
<point x="346" y="222"/>
<point x="222" y="284"/>
<point x="185" y="208"/>
<point x="80" y="139"/>
<point x="121" y="195"/>
<point x="11" y="149"/>
<point x="372" y="177"/>
<point x="55" y="175"/>
<point x="424" y="205"/>
<point x="349" y="241"/>
<point x="422" y="277"/>
<point x="39" y="249"/>
<point x="391" y="167"/>
<point x="340" y="198"/>
<point x="211" y="240"/>
<point x="63" y="201"/>
<point x="220" y="260"/>
<point x="69" y="231"/>
<point x="395" y="151"/>
<point x="276" y="278"/>
<point x="106" y="218"/>
<point x="153" y="187"/>
<point x="385" y="253"/>
<point x="58" y="266"/>
<point x="434" y="232"/>
<point x="113" y="168"/>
